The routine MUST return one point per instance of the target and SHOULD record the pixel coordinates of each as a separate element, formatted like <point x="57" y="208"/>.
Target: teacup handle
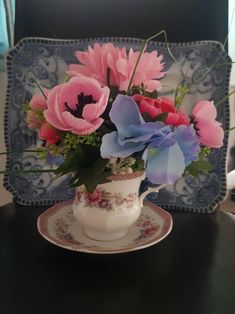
<point x="148" y="191"/>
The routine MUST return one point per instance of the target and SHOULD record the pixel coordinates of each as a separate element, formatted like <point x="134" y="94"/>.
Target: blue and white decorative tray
<point x="206" y="69"/>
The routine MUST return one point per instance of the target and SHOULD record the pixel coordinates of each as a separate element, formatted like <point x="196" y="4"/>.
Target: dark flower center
<point x="82" y="100"/>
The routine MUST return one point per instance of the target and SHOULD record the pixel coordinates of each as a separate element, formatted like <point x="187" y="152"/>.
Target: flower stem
<point x="38" y="85"/>
<point x="224" y="98"/>
<point x="15" y="152"/>
<point x="142" y="51"/>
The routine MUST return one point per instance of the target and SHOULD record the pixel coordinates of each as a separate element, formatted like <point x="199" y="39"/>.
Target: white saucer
<point x="58" y="225"/>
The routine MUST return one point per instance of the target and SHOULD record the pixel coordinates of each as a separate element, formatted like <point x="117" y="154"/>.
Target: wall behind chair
<point x="184" y="20"/>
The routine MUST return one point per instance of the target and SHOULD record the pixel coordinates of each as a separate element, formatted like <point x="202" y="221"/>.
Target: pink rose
<point x="146" y="105"/>
<point x="155" y="107"/>
<point x="177" y="118"/>
<point x="37" y="105"/>
<point x="49" y="134"/>
<point x="77" y="105"/>
<point x="209" y="130"/>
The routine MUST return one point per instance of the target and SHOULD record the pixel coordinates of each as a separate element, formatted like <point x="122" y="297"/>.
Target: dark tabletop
<point x="191" y="271"/>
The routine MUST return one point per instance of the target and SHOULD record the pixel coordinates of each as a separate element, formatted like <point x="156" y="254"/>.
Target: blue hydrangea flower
<point x="166" y="150"/>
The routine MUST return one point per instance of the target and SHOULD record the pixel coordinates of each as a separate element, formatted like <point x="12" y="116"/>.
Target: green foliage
<point x="161" y="117"/>
<point x="87" y="166"/>
<point x="200" y="165"/>
<point x="71" y="141"/>
<point x="153" y="94"/>
<point x="38" y="113"/>
<point x="26" y="106"/>
<point x="180" y="92"/>
<point x="43" y="151"/>
<point x="142" y="91"/>
<point x="138" y="165"/>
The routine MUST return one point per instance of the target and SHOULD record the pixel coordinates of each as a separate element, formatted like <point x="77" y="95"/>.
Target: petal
<point x="93" y="111"/>
<point x="38" y="102"/>
<point x="79" y="126"/>
<point x="123" y="67"/>
<point x="77" y="85"/>
<point x="152" y="85"/>
<point x="32" y="120"/>
<point x="96" y="124"/>
<point x="148" y="108"/>
<point x="53" y="114"/>
<point x="51" y="118"/>
<point x="143" y="132"/>
<point x="188" y="141"/>
<point x="52" y="95"/>
<point x="162" y="167"/>
<point x="177" y="119"/>
<point x="124" y="112"/>
<point x="211" y="134"/>
<point x="111" y="148"/>
<point x="123" y="86"/>
<point x="205" y="111"/>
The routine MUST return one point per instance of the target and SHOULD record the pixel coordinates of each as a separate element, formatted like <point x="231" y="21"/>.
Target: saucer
<point x="58" y="225"/>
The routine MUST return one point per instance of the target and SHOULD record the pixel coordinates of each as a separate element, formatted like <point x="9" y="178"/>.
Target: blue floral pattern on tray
<point x="203" y="65"/>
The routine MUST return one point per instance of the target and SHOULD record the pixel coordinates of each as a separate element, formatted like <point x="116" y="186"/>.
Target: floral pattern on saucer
<point x="59" y="227"/>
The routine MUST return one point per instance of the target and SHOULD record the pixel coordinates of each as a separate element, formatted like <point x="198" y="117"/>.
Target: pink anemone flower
<point x="76" y="106"/>
<point x="209" y="130"/>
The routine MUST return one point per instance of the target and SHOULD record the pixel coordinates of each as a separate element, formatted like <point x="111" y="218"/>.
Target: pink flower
<point x="177" y="118"/>
<point x="209" y="130"/>
<point x="155" y="107"/>
<point x="77" y="105"/>
<point x="78" y="196"/>
<point x="96" y="62"/>
<point x="37" y="105"/>
<point x="49" y="134"/>
<point x="148" y="71"/>
<point x="94" y="197"/>
<point x="103" y="204"/>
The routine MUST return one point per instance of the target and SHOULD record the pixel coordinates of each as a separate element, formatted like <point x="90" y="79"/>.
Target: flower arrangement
<point x="108" y="118"/>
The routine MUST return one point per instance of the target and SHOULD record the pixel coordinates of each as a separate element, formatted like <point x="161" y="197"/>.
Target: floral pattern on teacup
<point x="103" y="199"/>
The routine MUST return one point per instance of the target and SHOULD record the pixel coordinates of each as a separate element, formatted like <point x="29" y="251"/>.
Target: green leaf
<point x="153" y="94"/>
<point x="138" y="165"/>
<point x="193" y="170"/>
<point x="199" y="166"/>
<point x="147" y="117"/>
<point x="87" y="165"/>
<point x="95" y="174"/>
<point x="161" y="117"/>
<point x="71" y="162"/>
